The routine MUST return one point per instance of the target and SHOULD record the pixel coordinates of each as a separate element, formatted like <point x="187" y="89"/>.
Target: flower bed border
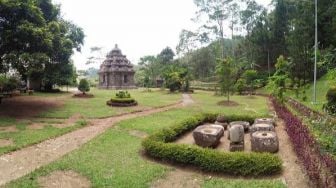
<point x="233" y="163"/>
<point x="320" y="167"/>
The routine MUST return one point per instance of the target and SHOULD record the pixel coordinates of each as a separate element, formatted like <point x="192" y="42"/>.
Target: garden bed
<point x="122" y="102"/>
<point x="227" y="103"/>
<point x="160" y="146"/>
<point x="320" y="166"/>
<point x="83" y="95"/>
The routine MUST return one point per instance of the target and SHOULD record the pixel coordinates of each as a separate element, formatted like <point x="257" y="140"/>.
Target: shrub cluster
<point x="123" y="95"/>
<point x="321" y="167"/>
<point x="122" y="99"/>
<point x="84" y="86"/>
<point x="8" y="84"/>
<point x="330" y="106"/>
<point x="233" y="163"/>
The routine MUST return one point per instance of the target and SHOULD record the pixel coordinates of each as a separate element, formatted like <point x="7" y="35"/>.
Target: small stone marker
<point x="245" y="124"/>
<point x="221" y="120"/>
<point x="236" y="136"/>
<point x="265" y="121"/>
<point x="208" y="135"/>
<point x="237" y="146"/>
<point x="262" y="127"/>
<point x="236" y="133"/>
<point x="264" y="141"/>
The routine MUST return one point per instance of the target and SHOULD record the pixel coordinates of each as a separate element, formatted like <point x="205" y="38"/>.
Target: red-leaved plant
<point x="321" y="167"/>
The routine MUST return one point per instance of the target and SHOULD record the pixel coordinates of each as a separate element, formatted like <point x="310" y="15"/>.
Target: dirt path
<point x="179" y="179"/>
<point x="187" y="100"/>
<point x="19" y="163"/>
<point x="293" y="175"/>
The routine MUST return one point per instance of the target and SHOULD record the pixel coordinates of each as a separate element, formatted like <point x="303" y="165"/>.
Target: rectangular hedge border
<point x="232" y="163"/>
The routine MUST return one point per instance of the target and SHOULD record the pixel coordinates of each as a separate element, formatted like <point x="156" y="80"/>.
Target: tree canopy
<point x="36" y="41"/>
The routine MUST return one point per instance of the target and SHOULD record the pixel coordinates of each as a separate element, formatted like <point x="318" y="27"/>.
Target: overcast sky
<point x="139" y="27"/>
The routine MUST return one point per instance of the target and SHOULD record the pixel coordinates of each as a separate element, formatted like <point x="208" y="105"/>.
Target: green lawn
<point x="96" y="107"/>
<point x="24" y="137"/>
<point x="113" y="160"/>
<point x="229" y="183"/>
<point x="207" y="102"/>
<point x="322" y="86"/>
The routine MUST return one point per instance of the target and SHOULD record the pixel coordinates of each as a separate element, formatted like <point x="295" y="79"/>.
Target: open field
<point x="121" y="163"/>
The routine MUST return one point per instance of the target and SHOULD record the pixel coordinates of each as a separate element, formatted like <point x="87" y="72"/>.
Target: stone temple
<point x="116" y="72"/>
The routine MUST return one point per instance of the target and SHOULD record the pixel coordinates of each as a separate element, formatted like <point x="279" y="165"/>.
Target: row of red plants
<point x="304" y="109"/>
<point x="320" y="167"/>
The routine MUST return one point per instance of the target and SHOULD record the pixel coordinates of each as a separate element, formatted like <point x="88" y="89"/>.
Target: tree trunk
<point x="48" y="87"/>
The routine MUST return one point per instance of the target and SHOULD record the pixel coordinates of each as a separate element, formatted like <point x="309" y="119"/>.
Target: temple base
<point x="117" y="87"/>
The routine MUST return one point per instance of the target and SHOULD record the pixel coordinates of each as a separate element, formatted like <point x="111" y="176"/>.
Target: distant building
<point x="116" y="72"/>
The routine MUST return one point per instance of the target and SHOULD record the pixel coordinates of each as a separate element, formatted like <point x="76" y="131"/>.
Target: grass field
<point x="96" y="107"/>
<point x="23" y="136"/>
<point x="207" y="102"/>
<point x="322" y="86"/>
<point x="113" y="160"/>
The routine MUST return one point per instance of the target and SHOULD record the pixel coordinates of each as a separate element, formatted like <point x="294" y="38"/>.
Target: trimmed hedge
<point x="233" y="163"/>
<point x="122" y="102"/>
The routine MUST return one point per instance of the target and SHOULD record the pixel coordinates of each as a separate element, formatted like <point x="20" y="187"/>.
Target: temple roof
<point x="116" y="62"/>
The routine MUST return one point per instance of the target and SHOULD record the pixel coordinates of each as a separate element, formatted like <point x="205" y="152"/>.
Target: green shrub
<point x="330" y="106"/>
<point x="240" y="86"/>
<point x="123" y="100"/>
<point x="84" y="86"/>
<point x="123" y="94"/>
<point x="235" y="163"/>
<point x="8" y="84"/>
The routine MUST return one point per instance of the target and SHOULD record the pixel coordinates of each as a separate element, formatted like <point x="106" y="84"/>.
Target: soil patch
<point x="179" y="179"/>
<point x="35" y="126"/>
<point x="293" y="174"/>
<point x="6" y="142"/>
<point x="69" y="122"/>
<point x="250" y="97"/>
<point x="28" y="106"/>
<point x="9" y="129"/>
<point x="187" y="100"/>
<point x="64" y="179"/>
<point x="228" y="103"/>
<point x="81" y="95"/>
<point x="138" y="134"/>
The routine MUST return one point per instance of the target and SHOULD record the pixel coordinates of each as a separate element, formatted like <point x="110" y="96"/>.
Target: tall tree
<point x="216" y="13"/>
<point x="226" y="73"/>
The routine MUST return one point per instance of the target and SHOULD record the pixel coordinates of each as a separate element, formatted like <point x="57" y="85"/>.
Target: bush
<point x="8" y="84"/>
<point x="84" y="86"/>
<point x="240" y="86"/>
<point x="123" y="100"/>
<point x="330" y="106"/>
<point x="235" y="163"/>
<point x="123" y="94"/>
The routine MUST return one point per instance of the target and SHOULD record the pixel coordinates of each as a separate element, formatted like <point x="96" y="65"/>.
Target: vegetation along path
<point x="21" y="162"/>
